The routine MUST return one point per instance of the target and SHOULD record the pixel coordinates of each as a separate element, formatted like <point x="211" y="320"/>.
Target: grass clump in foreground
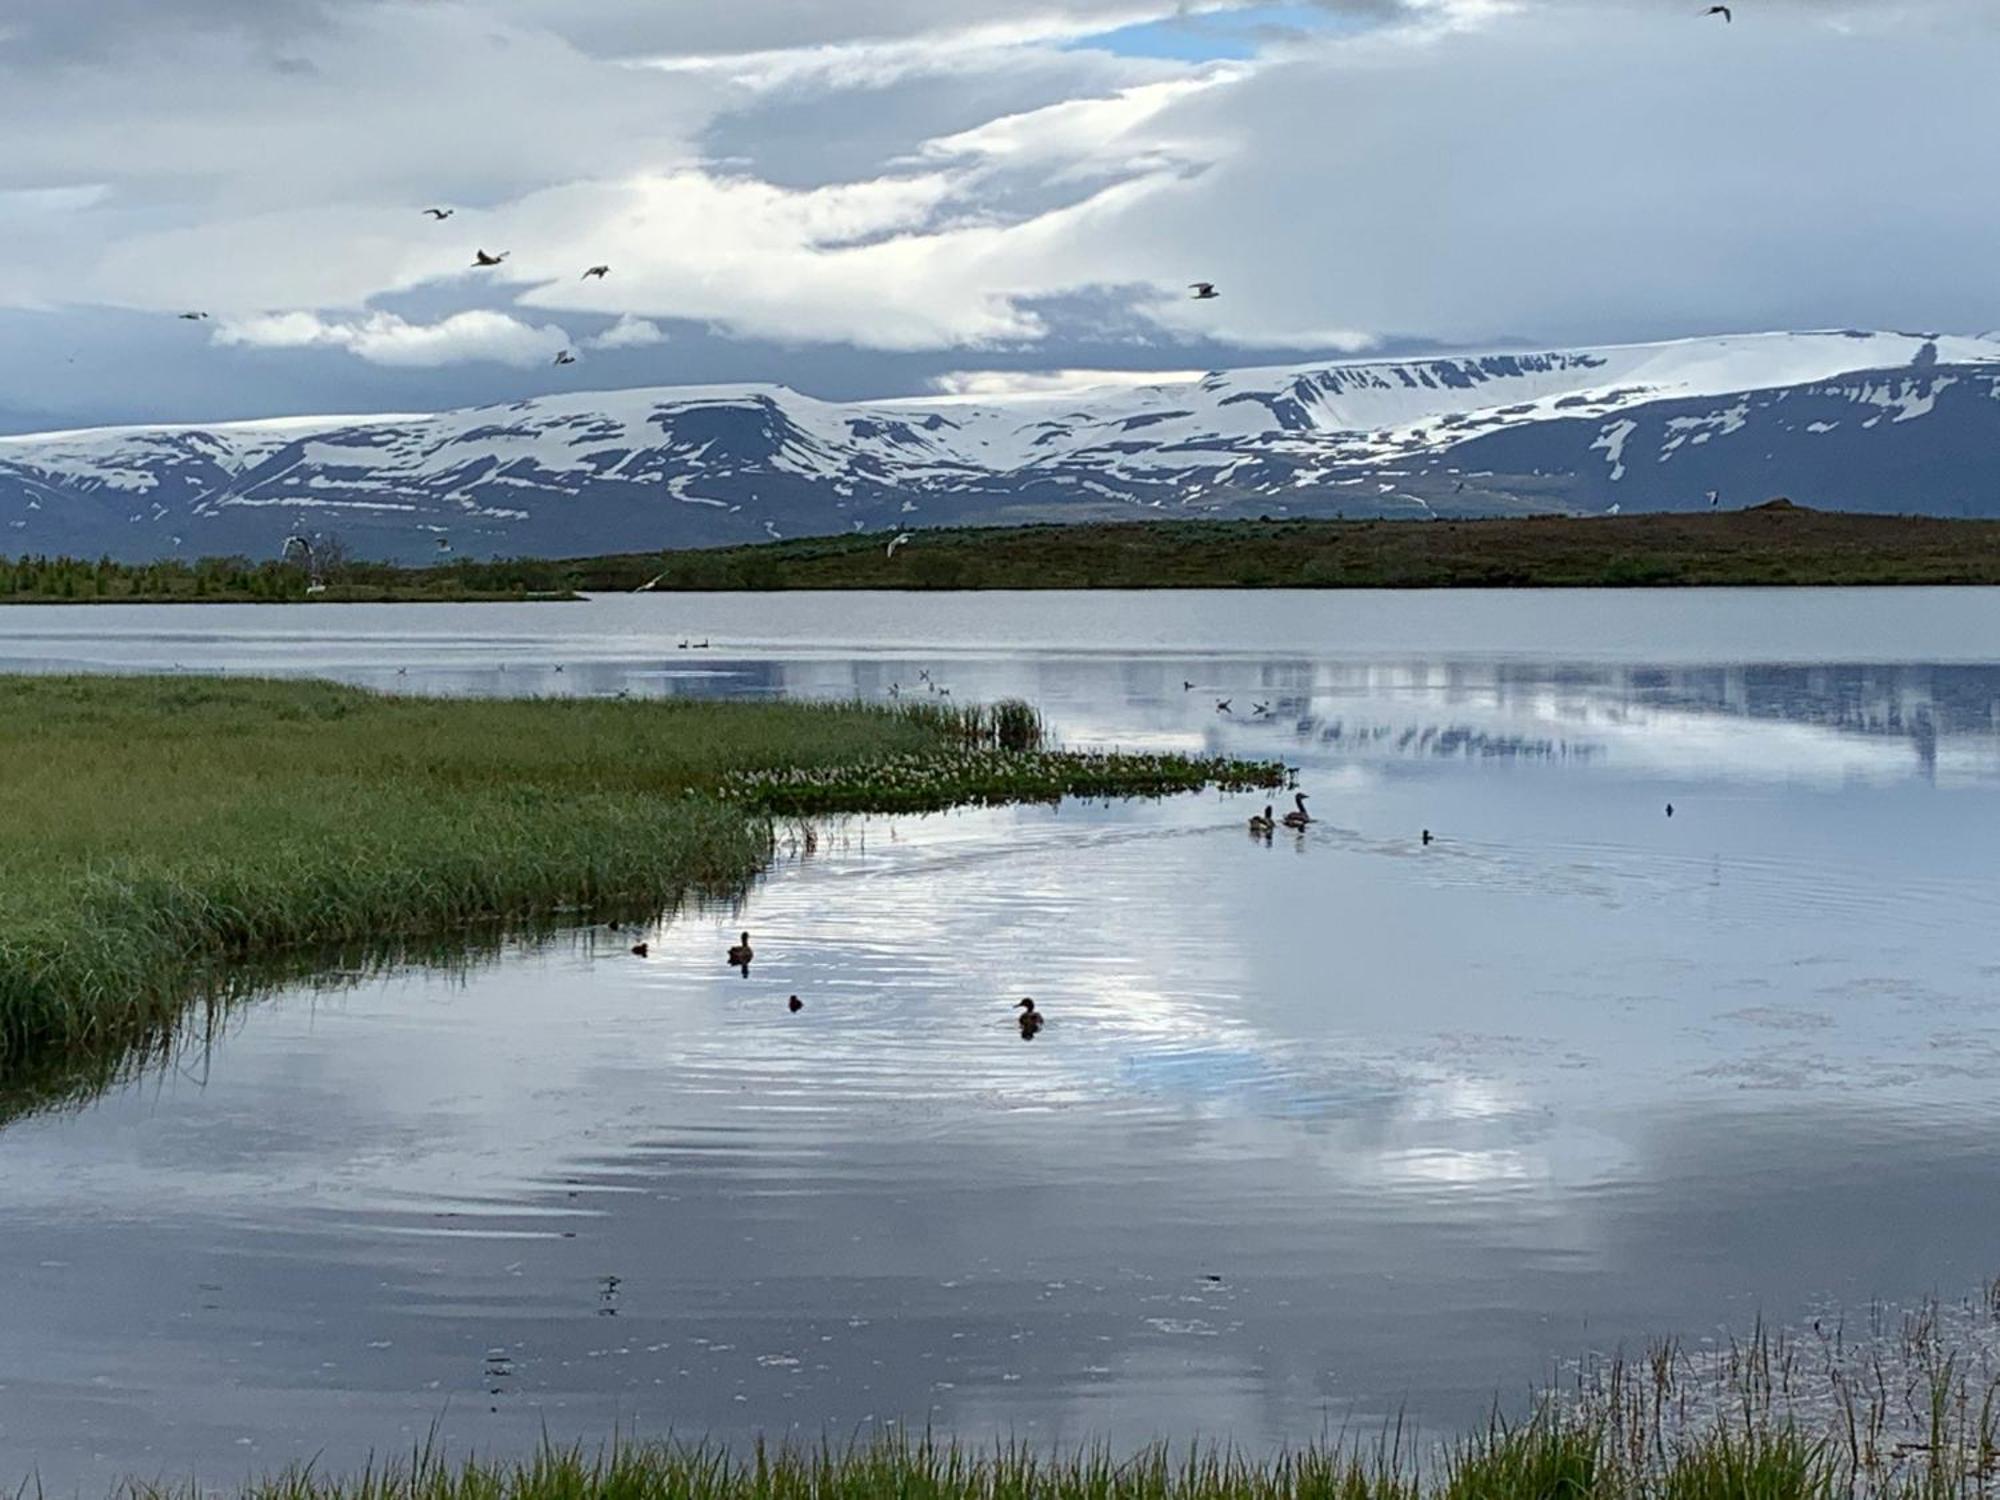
<point x="1548" y="1458"/>
<point x="161" y="836"/>
<point x="1902" y="1409"/>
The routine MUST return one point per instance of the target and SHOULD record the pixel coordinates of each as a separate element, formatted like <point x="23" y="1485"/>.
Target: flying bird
<point x="1714" y="499"/>
<point x="901" y="539"/>
<point x="1723" y="11"/>
<point x="193" y="317"/>
<point x="440" y="214"/>
<point x="600" y="272"/>
<point x="1222" y="705"/>
<point x="565" y="358"/>
<point x="481" y="258"/>
<point x="1204" y="291"/>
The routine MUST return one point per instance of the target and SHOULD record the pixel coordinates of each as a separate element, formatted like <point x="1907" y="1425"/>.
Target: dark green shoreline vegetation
<point x="1778" y="544"/>
<point x="162" y="839"/>
<point x="1899" y="1406"/>
<point x="239" y="580"/>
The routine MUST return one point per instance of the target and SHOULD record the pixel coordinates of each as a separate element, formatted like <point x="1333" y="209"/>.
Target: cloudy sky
<point x="866" y="197"/>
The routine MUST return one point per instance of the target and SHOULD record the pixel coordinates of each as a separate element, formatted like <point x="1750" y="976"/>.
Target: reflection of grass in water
<point x="158" y="834"/>
<point x="217" y="998"/>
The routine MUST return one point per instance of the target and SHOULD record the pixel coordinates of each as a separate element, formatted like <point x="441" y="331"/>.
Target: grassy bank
<point x="1900" y="1404"/>
<point x="1563" y="1450"/>
<point x="158" y="835"/>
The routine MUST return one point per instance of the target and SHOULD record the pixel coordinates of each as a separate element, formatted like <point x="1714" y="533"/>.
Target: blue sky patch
<point x="1214" y="36"/>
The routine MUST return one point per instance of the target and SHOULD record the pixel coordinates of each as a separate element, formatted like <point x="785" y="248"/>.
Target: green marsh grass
<point x="1760" y="1418"/>
<point x="161" y="836"/>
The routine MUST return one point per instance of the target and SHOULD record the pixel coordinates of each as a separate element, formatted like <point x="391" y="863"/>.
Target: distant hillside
<point x="1852" y="421"/>
<point x="1777" y="543"/>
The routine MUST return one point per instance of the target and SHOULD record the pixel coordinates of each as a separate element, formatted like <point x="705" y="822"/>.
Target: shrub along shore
<point x="161" y="836"/>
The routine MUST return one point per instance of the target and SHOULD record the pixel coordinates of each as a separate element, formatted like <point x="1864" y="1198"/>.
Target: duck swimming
<point x="741" y="954"/>
<point x="640" y="950"/>
<point x="1031" y="1019"/>
<point x="1261" y="822"/>
<point x="795" y="1005"/>
<point x="1299" y="817"/>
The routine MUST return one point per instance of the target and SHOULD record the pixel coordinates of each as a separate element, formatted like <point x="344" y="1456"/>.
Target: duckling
<point x="1299" y="817"/>
<point x="795" y="1005"/>
<point x="741" y="954"/>
<point x="1031" y="1019"/>
<point x="640" y="950"/>
<point x="1262" y="822"/>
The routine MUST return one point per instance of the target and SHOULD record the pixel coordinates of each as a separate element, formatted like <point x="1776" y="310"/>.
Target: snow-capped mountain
<point x="1858" y="421"/>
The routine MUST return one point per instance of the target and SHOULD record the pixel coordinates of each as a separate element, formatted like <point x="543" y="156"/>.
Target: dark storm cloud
<point x="74" y="30"/>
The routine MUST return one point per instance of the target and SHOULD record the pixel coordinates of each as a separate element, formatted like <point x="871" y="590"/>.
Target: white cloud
<point x="1000" y="385"/>
<point x="385" y="339"/>
<point x="1468" y="171"/>
<point x="629" y="333"/>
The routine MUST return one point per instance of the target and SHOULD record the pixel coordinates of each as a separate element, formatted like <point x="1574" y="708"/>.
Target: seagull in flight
<point x="1204" y="291"/>
<point x="900" y="539"/>
<point x="1222" y="706"/>
<point x="483" y="259"/>
<point x="600" y="272"/>
<point x="565" y="358"/>
<point x="1714" y="499"/>
<point x="440" y="214"/>
<point x="192" y="317"/>
<point x="1723" y="11"/>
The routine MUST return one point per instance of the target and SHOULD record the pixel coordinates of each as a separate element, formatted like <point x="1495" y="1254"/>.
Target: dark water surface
<point x="1318" y="1131"/>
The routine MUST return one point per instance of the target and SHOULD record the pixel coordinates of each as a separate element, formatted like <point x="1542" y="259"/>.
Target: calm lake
<point x="1320" y="1130"/>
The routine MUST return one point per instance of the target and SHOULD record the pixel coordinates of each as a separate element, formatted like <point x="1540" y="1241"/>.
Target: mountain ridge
<point x="1844" y="419"/>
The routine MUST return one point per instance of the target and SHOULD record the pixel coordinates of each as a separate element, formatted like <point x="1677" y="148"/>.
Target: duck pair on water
<point x="740" y="955"/>
<point x="1298" y="817"/>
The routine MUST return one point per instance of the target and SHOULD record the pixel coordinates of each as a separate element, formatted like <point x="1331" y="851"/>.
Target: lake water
<point x="1320" y="1130"/>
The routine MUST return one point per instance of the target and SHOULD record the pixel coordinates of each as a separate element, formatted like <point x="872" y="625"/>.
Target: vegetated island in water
<point x="1777" y="543"/>
<point x="169" y="840"/>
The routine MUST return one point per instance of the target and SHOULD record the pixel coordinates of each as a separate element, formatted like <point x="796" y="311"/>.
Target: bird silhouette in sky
<point x="1204" y="291"/>
<point x="1723" y="11"/>
<point x="600" y="272"/>
<point x="440" y="214"/>
<point x="481" y="258"/>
